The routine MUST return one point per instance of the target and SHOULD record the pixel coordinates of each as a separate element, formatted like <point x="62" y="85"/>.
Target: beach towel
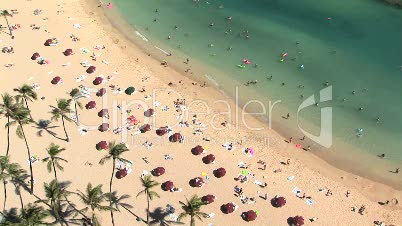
<point x="310" y="202"/>
<point x="291" y="178"/>
<point x="296" y="191"/>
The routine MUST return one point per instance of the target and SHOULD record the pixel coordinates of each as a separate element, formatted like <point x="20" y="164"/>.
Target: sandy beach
<point x="322" y="188"/>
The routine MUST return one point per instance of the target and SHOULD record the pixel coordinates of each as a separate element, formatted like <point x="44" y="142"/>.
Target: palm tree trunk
<point x="147" y="209"/>
<point x="5" y="195"/>
<point x="192" y="221"/>
<point x="8" y="25"/>
<point x="29" y="157"/>
<point x="110" y="190"/>
<point x="26" y="103"/>
<point x="8" y="135"/>
<point x="54" y="169"/>
<point x="65" y="131"/>
<point x="76" y="113"/>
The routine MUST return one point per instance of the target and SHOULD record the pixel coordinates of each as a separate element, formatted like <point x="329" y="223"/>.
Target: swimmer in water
<point x="229" y="48"/>
<point x="326" y="84"/>
<point x="353" y="92"/>
<point x="229" y="18"/>
<point x="360" y="109"/>
<point x="378" y="119"/>
<point x="176" y="27"/>
<point x="156" y="11"/>
<point x="282" y="84"/>
<point x="211" y="24"/>
<point x="381" y="156"/>
<point x="270" y="78"/>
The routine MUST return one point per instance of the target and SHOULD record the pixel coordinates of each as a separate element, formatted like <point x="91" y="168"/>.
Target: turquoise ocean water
<point x="354" y="45"/>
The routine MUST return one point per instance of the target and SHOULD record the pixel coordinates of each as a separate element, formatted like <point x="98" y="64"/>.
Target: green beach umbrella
<point x="244" y="172"/>
<point x="130" y="90"/>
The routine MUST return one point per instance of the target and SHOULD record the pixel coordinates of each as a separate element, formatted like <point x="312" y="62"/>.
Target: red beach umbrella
<point x="91" y="69"/>
<point x="228" y="208"/>
<point x="149" y="112"/>
<point x="101" y="92"/>
<point x="68" y="52"/>
<point x="209" y="159"/>
<point x="167" y="186"/>
<point x="207" y="199"/>
<point x="48" y="42"/>
<point x="278" y="202"/>
<point x="90" y="105"/>
<point x="158" y="171"/>
<point x="121" y="173"/>
<point x="161" y="131"/>
<point x="196" y="182"/>
<point x="104" y="127"/>
<point x="297" y="221"/>
<point x="97" y="81"/>
<point x="220" y="172"/>
<point x="175" y="137"/>
<point x="197" y="150"/>
<point x="103" y="113"/>
<point x="145" y="128"/>
<point x="56" y="80"/>
<point x="35" y="56"/>
<point x="102" y="145"/>
<point x="250" y="215"/>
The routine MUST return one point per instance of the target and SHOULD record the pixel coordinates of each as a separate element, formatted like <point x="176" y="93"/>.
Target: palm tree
<point x="75" y="94"/>
<point x="192" y="208"/>
<point x="17" y="177"/>
<point x="20" y="117"/>
<point x="44" y="125"/>
<point x="93" y="198"/>
<point x="53" y="159"/>
<point x="7" y="108"/>
<point x="32" y="215"/>
<point x="26" y="92"/>
<point x="61" y="111"/>
<point x="56" y="193"/>
<point x="115" y="151"/>
<point x="4" y="162"/>
<point x="148" y="184"/>
<point x="6" y="14"/>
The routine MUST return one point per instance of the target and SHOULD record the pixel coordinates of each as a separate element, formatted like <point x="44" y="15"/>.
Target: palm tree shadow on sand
<point x="160" y="217"/>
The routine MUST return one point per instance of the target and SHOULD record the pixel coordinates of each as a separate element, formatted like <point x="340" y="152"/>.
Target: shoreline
<point x="321" y="164"/>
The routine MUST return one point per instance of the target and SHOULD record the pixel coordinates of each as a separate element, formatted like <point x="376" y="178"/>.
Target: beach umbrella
<point x="175" y="137"/>
<point x="68" y="52"/>
<point x="97" y="81"/>
<point x="167" y="186"/>
<point x="56" y="80"/>
<point x="297" y="221"/>
<point x="219" y="172"/>
<point x="207" y="199"/>
<point x="208" y="159"/>
<point x="278" y="202"/>
<point x="149" y="112"/>
<point x="197" y="150"/>
<point x="250" y="215"/>
<point x="121" y="173"/>
<point x="104" y="127"/>
<point x="130" y="90"/>
<point x="228" y="208"/>
<point x="196" y="182"/>
<point x="35" y="56"/>
<point x="158" y="171"/>
<point x="91" y="69"/>
<point x="102" y="145"/>
<point x="103" y="113"/>
<point x="161" y="131"/>
<point x="145" y="128"/>
<point x="90" y="105"/>
<point x="244" y="172"/>
<point x="48" y="42"/>
<point x="101" y="92"/>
